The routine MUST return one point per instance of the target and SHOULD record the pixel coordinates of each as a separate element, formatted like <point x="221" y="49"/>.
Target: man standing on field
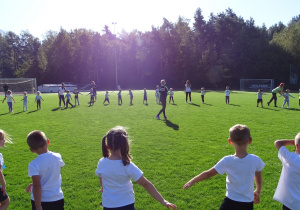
<point x="61" y="92"/>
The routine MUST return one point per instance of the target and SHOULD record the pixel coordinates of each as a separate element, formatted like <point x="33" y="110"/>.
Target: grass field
<point x="171" y="152"/>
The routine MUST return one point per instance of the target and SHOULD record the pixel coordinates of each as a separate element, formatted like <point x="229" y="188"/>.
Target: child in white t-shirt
<point x="9" y="98"/>
<point x="25" y="101"/>
<point x="115" y="171"/>
<point x="4" y="199"/>
<point x="106" y="98"/>
<point x="157" y="95"/>
<point x="44" y="170"/>
<point x="288" y="188"/>
<point x="171" y="93"/>
<point x="227" y="94"/>
<point x="202" y="94"/>
<point x="286" y="96"/>
<point x="241" y="169"/>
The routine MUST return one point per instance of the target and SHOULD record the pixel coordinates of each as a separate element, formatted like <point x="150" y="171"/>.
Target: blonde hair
<point x="239" y="134"/>
<point x="38" y="92"/>
<point x="25" y="93"/>
<point x="162" y="82"/>
<point x="5" y="136"/>
<point x="297" y="139"/>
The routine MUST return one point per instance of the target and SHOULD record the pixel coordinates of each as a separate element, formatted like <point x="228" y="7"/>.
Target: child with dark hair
<point x="120" y="97"/>
<point x="92" y="96"/>
<point x="242" y="170"/>
<point x="44" y="170"/>
<point x="115" y="171"/>
<point x="9" y="98"/>
<point x="69" y="98"/>
<point x="106" y="98"/>
<point x="76" y="92"/>
<point x="227" y="94"/>
<point x="38" y="99"/>
<point x="259" y="97"/>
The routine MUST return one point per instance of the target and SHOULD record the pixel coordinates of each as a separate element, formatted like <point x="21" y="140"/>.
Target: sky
<point x="40" y="16"/>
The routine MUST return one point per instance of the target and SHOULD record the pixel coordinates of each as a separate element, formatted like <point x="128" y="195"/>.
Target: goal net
<point x="255" y="84"/>
<point x="19" y="85"/>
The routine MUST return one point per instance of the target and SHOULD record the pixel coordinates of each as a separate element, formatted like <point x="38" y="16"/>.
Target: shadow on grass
<point x="32" y="111"/>
<point x="195" y="104"/>
<point x="4" y="114"/>
<point x="55" y="109"/>
<point x="172" y="125"/>
<point x="207" y="104"/>
<point x="105" y="104"/>
<point x="146" y="104"/>
<point x="271" y="109"/>
<point x="174" y="104"/>
<point x="234" y="105"/>
<point x="293" y="109"/>
<point x="18" y="112"/>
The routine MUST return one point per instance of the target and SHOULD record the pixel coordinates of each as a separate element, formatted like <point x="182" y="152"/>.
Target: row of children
<point x="115" y="171"/>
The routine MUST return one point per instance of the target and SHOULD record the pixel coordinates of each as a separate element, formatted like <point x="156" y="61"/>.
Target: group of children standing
<point x="115" y="171"/>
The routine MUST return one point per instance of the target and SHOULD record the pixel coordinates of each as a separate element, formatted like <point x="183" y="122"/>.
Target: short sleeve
<point x="32" y="170"/>
<point x="98" y="170"/>
<point x="220" y="167"/>
<point x="1" y="159"/>
<point x="134" y="172"/>
<point x="62" y="163"/>
<point x="284" y="154"/>
<point x="260" y="165"/>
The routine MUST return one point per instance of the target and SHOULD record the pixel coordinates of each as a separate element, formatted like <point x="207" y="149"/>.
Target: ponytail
<point x="105" y="151"/>
<point x="125" y="150"/>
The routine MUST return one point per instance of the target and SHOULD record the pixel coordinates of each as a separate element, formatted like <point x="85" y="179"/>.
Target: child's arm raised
<point x="154" y="193"/>
<point x="258" y="184"/>
<point x="37" y="192"/>
<point x="283" y="142"/>
<point x="204" y="175"/>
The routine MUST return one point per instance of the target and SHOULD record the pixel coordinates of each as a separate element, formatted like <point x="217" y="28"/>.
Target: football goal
<point x="19" y="85"/>
<point x="255" y="84"/>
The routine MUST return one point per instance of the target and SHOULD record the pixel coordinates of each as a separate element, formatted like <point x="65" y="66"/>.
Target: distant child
<point x="145" y="96"/>
<point x="92" y="96"/>
<point x="171" y="93"/>
<point x="259" y="97"/>
<point x="38" y="99"/>
<point x="9" y="98"/>
<point x="120" y="97"/>
<point x="131" y="96"/>
<point x="76" y="92"/>
<point x="115" y="171"/>
<point x="106" y="98"/>
<point x="288" y="188"/>
<point x="227" y="94"/>
<point x="157" y="96"/>
<point x="286" y="96"/>
<point x="44" y="170"/>
<point x="241" y="169"/>
<point x="4" y="199"/>
<point x="202" y="94"/>
<point x="69" y="97"/>
<point x="25" y="101"/>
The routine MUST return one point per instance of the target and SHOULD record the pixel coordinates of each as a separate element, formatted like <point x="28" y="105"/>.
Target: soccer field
<point x="170" y="153"/>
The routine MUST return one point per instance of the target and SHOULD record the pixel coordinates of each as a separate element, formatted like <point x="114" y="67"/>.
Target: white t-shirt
<point x="288" y="188"/>
<point x="47" y="166"/>
<point x="61" y="91"/>
<point x="9" y="98"/>
<point x="202" y="92"/>
<point x="187" y="88"/>
<point x="227" y="92"/>
<point x="1" y="161"/>
<point x="171" y="93"/>
<point x="116" y="180"/>
<point x="240" y="176"/>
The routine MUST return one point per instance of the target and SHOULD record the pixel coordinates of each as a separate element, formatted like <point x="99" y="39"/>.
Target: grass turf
<point x="170" y="153"/>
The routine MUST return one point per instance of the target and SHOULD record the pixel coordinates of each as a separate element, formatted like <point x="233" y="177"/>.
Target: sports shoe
<point x="268" y="104"/>
<point x="166" y="118"/>
<point x="157" y="117"/>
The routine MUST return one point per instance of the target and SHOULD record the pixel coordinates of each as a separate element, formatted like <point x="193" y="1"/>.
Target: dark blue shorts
<point x="128" y="207"/>
<point x="229" y="204"/>
<point x="57" y="205"/>
<point x="2" y="197"/>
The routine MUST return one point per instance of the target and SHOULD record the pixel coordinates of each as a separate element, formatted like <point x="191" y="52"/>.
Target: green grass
<point x="168" y="152"/>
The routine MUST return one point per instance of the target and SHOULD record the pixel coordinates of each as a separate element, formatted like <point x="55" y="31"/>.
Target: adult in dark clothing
<point x="94" y="87"/>
<point x="5" y="88"/>
<point x="163" y="90"/>
<point x="61" y="92"/>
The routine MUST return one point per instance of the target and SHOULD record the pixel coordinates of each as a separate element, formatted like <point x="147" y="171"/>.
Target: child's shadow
<point x="174" y="104"/>
<point x="195" y="104"/>
<point x="105" y="104"/>
<point x="293" y="109"/>
<point x="271" y="109"/>
<point x="207" y="104"/>
<point x="18" y="113"/>
<point x="32" y="111"/>
<point x="55" y="109"/>
<point x="234" y="105"/>
<point x="4" y="114"/>
<point x="172" y="125"/>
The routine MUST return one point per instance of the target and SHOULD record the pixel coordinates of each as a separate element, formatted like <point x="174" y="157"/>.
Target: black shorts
<point x="2" y="197"/>
<point x="229" y="204"/>
<point x="127" y="207"/>
<point x="259" y="100"/>
<point x="57" y="205"/>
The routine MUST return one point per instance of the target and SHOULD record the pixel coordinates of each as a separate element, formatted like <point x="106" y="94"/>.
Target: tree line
<point x="213" y="53"/>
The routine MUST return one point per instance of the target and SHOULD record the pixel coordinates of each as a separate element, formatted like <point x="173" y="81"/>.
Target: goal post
<point x="19" y="85"/>
<point x="255" y="84"/>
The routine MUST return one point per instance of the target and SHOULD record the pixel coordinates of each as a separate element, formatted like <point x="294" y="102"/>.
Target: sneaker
<point x="185" y="102"/>
<point x="190" y="102"/>
<point x="166" y="118"/>
<point x="157" y="117"/>
<point x="268" y="104"/>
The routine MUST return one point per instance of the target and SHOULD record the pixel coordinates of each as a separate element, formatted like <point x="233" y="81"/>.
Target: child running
<point x="38" y="99"/>
<point x="92" y="96"/>
<point x="202" y="94"/>
<point x="44" y="170"/>
<point x="227" y="94"/>
<point x="286" y="96"/>
<point x="76" y="92"/>
<point x="106" y="98"/>
<point x="171" y="93"/>
<point x="120" y="97"/>
<point x="157" y="96"/>
<point x="241" y="169"/>
<point x="4" y="199"/>
<point x="9" y="98"/>
<point x="115" y="171"/>
<point x="259" y="97"/>
<point x="69" y="98"/>
<point x="131" y="96"/>
<point x="25" y="101"/>
<point x="288" y="188"/>
<point x="145" y="96"/>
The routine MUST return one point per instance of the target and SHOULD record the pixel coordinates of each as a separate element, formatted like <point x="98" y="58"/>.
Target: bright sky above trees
<point x="40" y="16"/>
